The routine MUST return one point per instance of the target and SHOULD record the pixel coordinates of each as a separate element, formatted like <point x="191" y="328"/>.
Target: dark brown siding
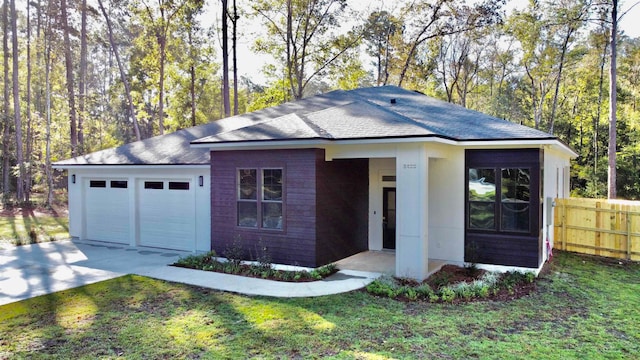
<point x="343" y="207"/>
<point x="507" y="248"/>
<point x="295" y="244"/>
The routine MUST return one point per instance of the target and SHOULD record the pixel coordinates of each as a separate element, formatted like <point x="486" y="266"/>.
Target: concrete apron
<point x="38" y="269"/>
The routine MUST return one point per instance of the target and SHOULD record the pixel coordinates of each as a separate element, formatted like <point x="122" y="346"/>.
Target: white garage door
<point x="107" y="210"/>
<point x="167" y="214"/>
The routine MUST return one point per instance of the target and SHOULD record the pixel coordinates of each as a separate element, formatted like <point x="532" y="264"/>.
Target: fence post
<point x="564" y="224"/>
<point x="628" y="234"/>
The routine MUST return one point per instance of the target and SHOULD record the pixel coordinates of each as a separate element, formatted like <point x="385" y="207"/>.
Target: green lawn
<point x="15" y="229"/>
<point x="584" y="308"/>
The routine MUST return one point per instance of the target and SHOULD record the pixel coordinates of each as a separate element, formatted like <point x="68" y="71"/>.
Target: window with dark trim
<point x="119" y="184"/>
<point x="505" y="210"/>
<point x="260" y="201"/>
<point x="155" y="185"/>
<point x="178" y="185"/>
<point x="98" y="184"/>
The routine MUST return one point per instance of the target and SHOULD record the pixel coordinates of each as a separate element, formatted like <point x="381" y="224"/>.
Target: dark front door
<point x="389" y="218"/>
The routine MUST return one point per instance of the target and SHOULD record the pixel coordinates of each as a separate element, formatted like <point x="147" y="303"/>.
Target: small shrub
<point x="235" y="252"/>
<point x="410" y="293"/>
<point x="447" y="294"/>
<point x="384" y="286"/>
<point x="463" y="290"/>
<point x="441" y="279"/>
<point x="263" y="256"/>
<point x="327" y="270"/>
<point x="425" y="291"/>
<point x="512" y="278"/>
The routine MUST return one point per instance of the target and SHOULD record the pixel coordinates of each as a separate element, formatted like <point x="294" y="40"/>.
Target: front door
<point x="389" y="218"/>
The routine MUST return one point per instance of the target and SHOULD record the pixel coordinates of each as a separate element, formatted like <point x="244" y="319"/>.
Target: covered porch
<point x="415" y="210"/>
<point x="380" y="261"/>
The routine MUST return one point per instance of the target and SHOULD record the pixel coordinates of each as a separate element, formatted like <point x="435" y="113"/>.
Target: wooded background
<point x="83" y="75"/>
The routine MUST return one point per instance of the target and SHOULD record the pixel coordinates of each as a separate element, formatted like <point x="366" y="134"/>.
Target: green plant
<point x="234" y="252"/>
<point x="425" y="291"/>
<point x="463" y="290"/>
<point x="447" y="294"/>
<point x="512" y="278"/>
<point x="410" y="293"/>
<point x="263" y="256"/>
<point x="384" y="286"/>
<point x="440" y="279"/>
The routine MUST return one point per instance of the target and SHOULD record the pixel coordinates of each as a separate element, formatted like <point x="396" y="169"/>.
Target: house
<point x="328" y="176"/>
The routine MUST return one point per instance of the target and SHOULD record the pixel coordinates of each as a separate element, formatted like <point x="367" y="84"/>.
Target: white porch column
<point x="412" y="184"/>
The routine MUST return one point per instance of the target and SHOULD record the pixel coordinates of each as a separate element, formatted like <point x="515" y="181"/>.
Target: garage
<point x="107" y="210"/>
<point x="167" y="214"/>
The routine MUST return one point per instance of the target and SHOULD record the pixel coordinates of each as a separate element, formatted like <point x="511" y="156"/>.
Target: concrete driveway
<point x="38" y="269"/>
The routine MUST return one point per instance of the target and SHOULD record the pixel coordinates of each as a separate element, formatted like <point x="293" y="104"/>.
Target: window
<point x="178" y="185"/>
<point x="260" y="208"/>
<point x="482" y="197"/>
<point x="156" y="185"/>
<point x="272" y="198"/>
<point x="511" y="205"/>
<point x="515" y="199"/>
<point x="118" y="184"/>
<point x="97" y="184"/>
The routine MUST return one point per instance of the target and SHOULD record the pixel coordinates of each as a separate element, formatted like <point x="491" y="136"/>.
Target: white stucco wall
<point x="133" y="174"/>
<point x="556" y="185"/>
<point x="446" y="206"/>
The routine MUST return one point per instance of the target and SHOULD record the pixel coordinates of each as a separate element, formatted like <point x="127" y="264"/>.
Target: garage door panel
<point x="107" y="214"/>
<point x="167" y="215"/>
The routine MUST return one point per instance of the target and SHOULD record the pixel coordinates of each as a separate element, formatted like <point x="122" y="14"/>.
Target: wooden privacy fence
<point x="598" y="227"/>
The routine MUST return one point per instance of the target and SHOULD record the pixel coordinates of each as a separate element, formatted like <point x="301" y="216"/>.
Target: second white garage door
<point x="167" y="214"/>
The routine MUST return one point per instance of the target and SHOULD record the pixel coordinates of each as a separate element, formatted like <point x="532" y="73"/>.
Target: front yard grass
<point x="21" y="229"/>
<point x="584" y="308"/>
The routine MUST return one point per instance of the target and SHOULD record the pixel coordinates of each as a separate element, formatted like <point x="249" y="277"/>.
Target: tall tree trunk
<point x="163" y="58"/>
<point x="6" y="131"/>
<point x="47" y="82"/>
<point x="554" y="104"/>
<point x="596" y="121"/>
<point x="225" y="60"/>
<point x="123" y="76"/>
<point x="235" y="58"/>
<point x="16" y="104"/>
<point x="192" y="74"/>
<point x="68" y="62"/>
<point x="82" y="91"/>
<point x="29" y="154"/>
<point x="611" y="175"/>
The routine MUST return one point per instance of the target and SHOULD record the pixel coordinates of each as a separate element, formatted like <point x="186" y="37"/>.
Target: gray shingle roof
<point x="365" y="113"/>
<point x="368" y="113"/>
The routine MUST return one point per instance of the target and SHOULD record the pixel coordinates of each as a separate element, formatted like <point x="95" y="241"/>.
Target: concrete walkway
<point x="38" y="269"/>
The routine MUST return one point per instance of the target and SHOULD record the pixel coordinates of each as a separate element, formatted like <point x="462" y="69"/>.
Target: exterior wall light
<point x="73" y="178"/>
<point x="201" y="180"/>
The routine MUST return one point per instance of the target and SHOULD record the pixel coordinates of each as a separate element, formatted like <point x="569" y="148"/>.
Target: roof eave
<point x="125" y="166"/>
<point x="292" y="143"/>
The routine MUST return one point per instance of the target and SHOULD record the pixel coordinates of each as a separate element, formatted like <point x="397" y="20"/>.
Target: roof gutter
<point x="129" y="166"/>
<point x="297" y="143"/>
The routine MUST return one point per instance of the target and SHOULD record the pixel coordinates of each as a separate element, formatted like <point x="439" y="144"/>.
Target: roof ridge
<point x="388" y="110"/>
